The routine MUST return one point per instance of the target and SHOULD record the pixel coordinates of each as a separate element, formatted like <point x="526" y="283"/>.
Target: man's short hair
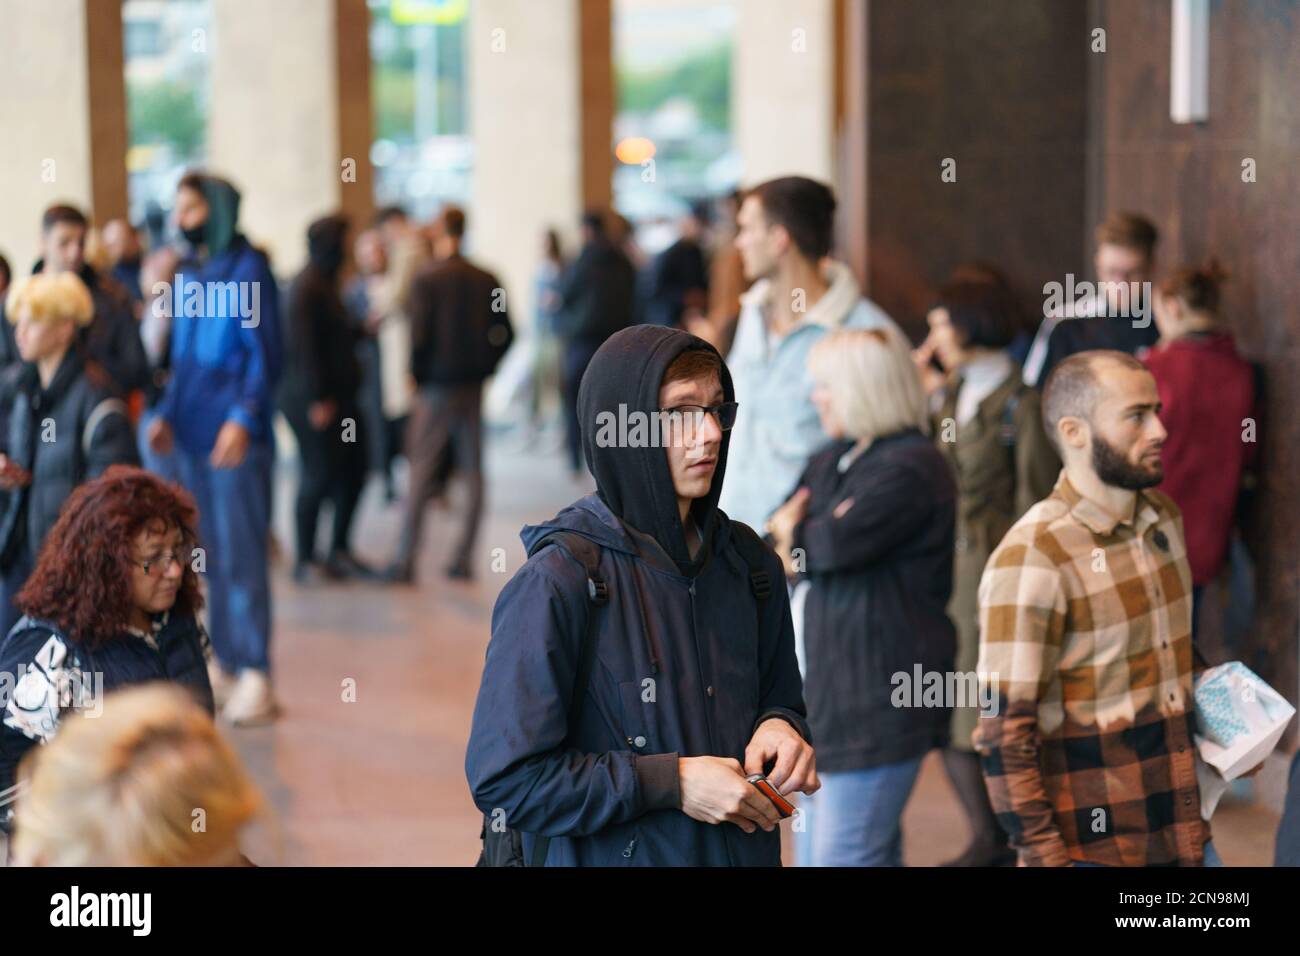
<point x="1071" y="388"/>
<point x="5" y="271"/>
<point x="453" y="221"/>
<point x="62" y="213"/>
<point x="594" y="220"/>
<point x="806" y="210"/>
<point x="693" y="364"/>
<point x="386" y="214"/>
<point x="1130" y="230"/>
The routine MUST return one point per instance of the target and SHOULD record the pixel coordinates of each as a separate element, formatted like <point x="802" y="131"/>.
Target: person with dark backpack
<point x="642" y="661"/>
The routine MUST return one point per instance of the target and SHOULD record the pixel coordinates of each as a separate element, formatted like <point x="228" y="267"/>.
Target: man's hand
<point x="160" y="436"/>
<point x="321" y="414"/>
<point x="13" y="475"/>
<point x="230" y="447"/>
<point x="714" y="790"/>
<point x="787" y="517"/>
<point x="796" y="762"/>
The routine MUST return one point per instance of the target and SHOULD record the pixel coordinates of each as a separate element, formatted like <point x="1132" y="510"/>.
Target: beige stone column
<point x="289" y="122"/>
<point x="782" y="88"/>
<point x="541" y="114"/>
<point x="63" y="116"/>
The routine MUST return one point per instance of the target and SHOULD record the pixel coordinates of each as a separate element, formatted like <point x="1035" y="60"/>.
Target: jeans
<point x="234" y="525"/>
<point x="1287" y="852"/>
<point x="853" y="820"/>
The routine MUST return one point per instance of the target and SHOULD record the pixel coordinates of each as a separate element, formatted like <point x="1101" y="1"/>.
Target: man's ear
<point x="1073" y="432"/>
<point x="781" y="239"/>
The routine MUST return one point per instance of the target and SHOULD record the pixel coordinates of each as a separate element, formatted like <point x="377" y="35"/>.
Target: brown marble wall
<point x="1048" y="136"/>
<point x="1188" y="179"/>
<point x="1000" y="87"/>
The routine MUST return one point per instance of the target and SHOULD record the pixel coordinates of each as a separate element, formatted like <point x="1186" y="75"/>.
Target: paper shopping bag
<point x="1239" y="720"/>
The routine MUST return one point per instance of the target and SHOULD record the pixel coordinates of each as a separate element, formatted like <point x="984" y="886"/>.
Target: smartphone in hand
<point x="783" y="806"/>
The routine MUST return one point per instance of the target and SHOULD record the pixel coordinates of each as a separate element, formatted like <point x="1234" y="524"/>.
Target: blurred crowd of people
<point x="985" y="502"/>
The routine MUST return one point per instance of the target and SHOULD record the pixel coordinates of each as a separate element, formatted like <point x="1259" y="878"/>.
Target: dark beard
<point x="1114" y="469"/>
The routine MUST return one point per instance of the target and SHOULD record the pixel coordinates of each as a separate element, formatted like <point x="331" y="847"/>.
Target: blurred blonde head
<point x="870" y="382"/>
<point x="149" y="782"/>
<point x="50" y="297"/>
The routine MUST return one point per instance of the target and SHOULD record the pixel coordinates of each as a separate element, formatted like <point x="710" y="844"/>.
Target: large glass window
<point x="422" y="153"/>
<point x="672" y="62"/>
<point x="166" y="59"/>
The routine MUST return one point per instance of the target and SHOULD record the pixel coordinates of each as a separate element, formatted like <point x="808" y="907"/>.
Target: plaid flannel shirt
<point x="1085" y="625"/>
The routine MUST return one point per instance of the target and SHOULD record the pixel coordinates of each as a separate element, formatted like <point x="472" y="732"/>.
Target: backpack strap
<point x="109" y="406"/>
<point x="754" y="551"/>
<point x="587" y="552"/>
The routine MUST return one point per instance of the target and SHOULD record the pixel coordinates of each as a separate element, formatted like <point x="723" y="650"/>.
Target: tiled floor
<point x="380" y="779"/>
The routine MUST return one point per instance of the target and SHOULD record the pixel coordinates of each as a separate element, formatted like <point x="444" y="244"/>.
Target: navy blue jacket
<point x="46" y="675"/>
<point x="685" y="666"/>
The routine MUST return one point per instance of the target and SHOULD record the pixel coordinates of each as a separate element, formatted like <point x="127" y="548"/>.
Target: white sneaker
<point x="251" y="702"/>
<point x="222" y="684"/>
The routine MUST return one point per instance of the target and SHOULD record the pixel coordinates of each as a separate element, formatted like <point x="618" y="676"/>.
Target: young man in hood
<point x="694" y="683"/>
<point x="799" y="294"/>
<point x="226" y="352"/>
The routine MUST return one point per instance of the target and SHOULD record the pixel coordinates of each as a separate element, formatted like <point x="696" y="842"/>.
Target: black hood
<point x="326" y="243"/>
<point x="634" y="482"/>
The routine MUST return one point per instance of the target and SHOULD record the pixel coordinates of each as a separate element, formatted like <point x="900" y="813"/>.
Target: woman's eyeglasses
<point x="161" y="563"/>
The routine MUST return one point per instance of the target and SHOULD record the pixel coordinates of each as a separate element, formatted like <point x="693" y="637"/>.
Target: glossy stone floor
<point x="379" y="779"/>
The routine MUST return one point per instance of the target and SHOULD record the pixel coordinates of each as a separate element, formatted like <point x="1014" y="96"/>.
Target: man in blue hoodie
<point x="216" y="412"/>
<point x="694" y="683"/>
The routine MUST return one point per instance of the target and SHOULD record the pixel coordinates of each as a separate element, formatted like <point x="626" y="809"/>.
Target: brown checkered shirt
<point x="1085" y="637"/>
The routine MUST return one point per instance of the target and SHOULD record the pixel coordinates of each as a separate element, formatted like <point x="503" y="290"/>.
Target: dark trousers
<point x="380" y="447"/>
<point x="333" y="469"/>
<point x="443" y="415"/>
<point x="577" y="356"/>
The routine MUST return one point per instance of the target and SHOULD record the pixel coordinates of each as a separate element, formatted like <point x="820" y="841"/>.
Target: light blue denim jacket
<point x="777" y="427"/>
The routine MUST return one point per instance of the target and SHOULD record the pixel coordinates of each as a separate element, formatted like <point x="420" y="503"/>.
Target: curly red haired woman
<point x="112" y="602"/>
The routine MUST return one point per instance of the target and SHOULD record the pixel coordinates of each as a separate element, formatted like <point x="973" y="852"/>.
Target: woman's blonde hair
<point x="147" y="782"/>
<point x="51" y="296"/>
<point x="872" y="381"/>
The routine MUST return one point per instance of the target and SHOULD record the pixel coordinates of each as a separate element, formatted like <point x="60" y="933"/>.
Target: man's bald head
<point x="1075" y="385"/>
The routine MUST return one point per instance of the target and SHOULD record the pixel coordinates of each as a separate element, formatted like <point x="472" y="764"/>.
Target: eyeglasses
<point x="160" y="564"/>
<point x="687" y="418"/>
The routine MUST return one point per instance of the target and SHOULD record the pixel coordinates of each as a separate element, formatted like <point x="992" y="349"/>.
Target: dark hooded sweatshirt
<point x="688" y="661"/>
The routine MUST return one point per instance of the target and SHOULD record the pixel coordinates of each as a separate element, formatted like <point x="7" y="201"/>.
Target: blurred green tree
<point x="164" y="111"/>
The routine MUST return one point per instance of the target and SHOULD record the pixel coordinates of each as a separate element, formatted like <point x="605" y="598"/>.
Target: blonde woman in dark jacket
<point x="870" y="529"/>
<point x="65" y="425"/>
<point x="988" y="426"/>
